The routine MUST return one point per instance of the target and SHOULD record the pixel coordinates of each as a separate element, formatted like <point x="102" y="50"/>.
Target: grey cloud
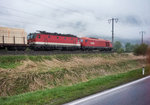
<point x="86" y="17"/>
<point x="133" y="20"/>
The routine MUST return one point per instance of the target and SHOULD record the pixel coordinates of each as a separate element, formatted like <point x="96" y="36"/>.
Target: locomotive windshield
<point x="31" y="36"/>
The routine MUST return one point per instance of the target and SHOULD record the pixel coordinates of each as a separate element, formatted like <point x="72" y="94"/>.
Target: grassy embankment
<point x="64" y="94"/>
<point x="61" y="78"/>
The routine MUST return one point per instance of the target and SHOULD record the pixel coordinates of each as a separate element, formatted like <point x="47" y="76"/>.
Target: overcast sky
<point x="79" y="17"/>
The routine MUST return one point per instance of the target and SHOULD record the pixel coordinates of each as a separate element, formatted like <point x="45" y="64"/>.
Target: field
<point x="45" y="76"/>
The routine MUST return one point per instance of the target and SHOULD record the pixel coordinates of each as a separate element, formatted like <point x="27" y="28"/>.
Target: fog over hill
<point x="122" y="40"/>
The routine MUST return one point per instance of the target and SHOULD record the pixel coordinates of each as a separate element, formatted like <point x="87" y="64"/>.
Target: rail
<point x="35" y="53"/>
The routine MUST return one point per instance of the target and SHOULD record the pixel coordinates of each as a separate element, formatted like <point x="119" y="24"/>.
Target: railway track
<point x="3" y="52"/>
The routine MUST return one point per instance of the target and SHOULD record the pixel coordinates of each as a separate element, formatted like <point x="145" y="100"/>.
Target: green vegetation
<point x="57" y="79"/>
<point x="63" y="57"/>
<point x="141" y="49"/>
<point x="129" y="47"/>
<point x="32" y="73"/>
<point x="63" y="94"/>
<point x="121" y="50"/>
<point x="14" y="61"/>
<point x="118" y="47"/>
<point x="148" y="54"/>
<point x="137" y="49"/>
<point x="38" y="58"/>
<point x="11" y="61"/>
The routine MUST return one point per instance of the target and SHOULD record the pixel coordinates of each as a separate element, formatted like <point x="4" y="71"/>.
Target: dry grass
<point x="31" y="76"/>
<point x="148" y="56"/>
<point x="148" y="59"/>
<point x="46" y="65"/>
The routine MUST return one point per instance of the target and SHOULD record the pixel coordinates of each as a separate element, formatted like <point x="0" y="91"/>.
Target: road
<point x="134" y="93"/>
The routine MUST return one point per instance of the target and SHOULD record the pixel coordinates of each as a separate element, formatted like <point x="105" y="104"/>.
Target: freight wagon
<point x="13" y="38"/>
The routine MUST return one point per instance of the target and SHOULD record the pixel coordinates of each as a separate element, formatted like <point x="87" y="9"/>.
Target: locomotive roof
<point x="57" y="34"/>
<point x="93" y="39"/>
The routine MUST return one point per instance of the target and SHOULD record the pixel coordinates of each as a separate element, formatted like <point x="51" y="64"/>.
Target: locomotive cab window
<point x="31" y="36"/>
<point x="34" y="36"/>
<point x="49" y="36"/>
<point x="78" y="40"/>
<point x="39" y="36"/>
<point x="28" y="37"/>
<point x="107" y="44"/>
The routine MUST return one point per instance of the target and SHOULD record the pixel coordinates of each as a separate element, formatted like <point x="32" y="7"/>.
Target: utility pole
<point x="113" y="20"/>
<point x="142" y="39"/>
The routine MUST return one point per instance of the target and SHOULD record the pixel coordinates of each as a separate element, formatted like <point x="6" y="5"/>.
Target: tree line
<point x="137" y="49"/>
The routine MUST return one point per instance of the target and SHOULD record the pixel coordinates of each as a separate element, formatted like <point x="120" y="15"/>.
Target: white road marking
<point x="105" y="92"/>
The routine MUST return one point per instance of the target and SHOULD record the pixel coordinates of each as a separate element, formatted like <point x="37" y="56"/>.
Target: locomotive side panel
<point x="56" y="40"/>
<point x="50" y="41"/>
<point x="95" y="44"/>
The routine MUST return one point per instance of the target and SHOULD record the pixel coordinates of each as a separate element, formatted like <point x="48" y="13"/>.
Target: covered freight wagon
<point x="13" y="38"/>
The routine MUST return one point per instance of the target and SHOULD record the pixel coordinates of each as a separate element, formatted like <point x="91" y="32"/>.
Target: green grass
<point x="7" y="62"/>
<point x="11" y="61"/>
<point x="60" y="95"/>
<point x="63" y="57"/>
<point x="59" y="76"/>
<point x="39" y="58"/>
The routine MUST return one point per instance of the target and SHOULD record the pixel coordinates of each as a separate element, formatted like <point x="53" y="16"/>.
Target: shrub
<point x="148" y="56"/>
<point x="121" y="50"/>
<point x="129" y="47"/>
<point x="141" y="49"/>
<point x="117" y="46"/>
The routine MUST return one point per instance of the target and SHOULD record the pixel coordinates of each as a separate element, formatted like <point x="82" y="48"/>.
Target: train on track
<point x="15" y="39"/>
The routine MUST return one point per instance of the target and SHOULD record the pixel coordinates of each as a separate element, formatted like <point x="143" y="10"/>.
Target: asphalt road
<point x="134" y="93"/>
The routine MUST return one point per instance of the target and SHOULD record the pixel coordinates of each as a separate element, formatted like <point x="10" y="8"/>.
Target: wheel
<point x="11" y="48"/>
<point x="21" y="48"/>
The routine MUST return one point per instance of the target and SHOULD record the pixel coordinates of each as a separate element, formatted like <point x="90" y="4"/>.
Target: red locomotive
<point x="95" y="44"/>
<point x="51" y="41"/>
<point x="15" y="39"/>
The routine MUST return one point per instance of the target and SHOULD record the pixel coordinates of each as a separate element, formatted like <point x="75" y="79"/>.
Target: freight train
<point x="14" y="39"/>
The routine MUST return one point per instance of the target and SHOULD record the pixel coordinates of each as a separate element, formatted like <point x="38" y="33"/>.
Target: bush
<point x="117" y="46"/>
<point x="121" y="50"/>
<point x="148" y="56"/>
<point x="141" y="49"/>
<point x="129" y="47"/>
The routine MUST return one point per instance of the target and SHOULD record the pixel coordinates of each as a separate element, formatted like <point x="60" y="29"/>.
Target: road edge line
<point x="105" y="92"/>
